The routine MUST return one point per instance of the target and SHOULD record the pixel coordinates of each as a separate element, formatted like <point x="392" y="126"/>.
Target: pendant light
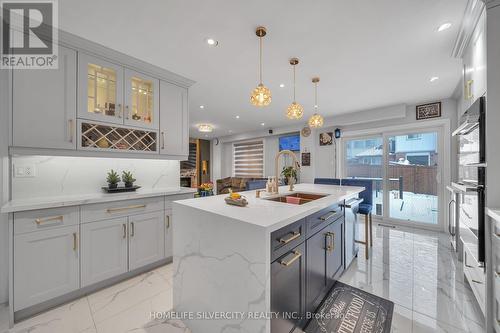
<point x="294" y="110"/>
<point x="261" y="95"/>
<point x="316" y="119"/>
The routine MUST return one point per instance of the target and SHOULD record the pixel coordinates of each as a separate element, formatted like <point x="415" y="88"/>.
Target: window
<point x="248" y="159"/>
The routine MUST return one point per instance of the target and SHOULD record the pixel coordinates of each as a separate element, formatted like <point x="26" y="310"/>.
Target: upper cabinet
<point x="99" y="102"/>
<point x="174" y="120"/>
<point x="141" y="100"/>
<point x="474" y="59"/>
<point x="100" y="93"/>
<point x="44" y="105"/>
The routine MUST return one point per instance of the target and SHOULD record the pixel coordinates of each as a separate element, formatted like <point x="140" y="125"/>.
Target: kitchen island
<point x="239" y="269"/>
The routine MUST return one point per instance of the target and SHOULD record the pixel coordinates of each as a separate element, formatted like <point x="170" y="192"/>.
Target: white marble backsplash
<point x="62" y="175"/>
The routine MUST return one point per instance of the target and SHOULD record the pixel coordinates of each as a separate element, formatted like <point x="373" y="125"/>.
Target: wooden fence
<point x="415" y="178"/>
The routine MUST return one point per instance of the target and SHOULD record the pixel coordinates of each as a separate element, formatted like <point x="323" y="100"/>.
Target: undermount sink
<point x="297" y="198"/>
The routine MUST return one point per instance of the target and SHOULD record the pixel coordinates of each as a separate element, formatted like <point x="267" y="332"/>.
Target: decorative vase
<point x="112" y="186"/>
<point x="129" y="184"/>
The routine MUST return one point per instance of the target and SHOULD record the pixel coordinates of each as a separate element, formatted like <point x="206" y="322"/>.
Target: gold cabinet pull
<point x="167" y="221"/>
<point x="470" y="266"/>
<point x="120" y="209"/>
<point x="40" y="221"/>
<point x="162" y="140"/>
<point x="328" y="216"/>
<point x="296" y="256"/>
<point x="330" y="239"/>
<point x="71" y="133"/>
<point x="124" y="230"/>
<point x="294" y="236"/>
<point x="477" y="281"/>
<point x="132" y="229"/>
<point x="75" y="241"/>
<point x="468" y="90"/>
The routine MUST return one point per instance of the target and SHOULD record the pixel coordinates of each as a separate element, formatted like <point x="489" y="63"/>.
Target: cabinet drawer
<point x="286" y="238"/>
<point x="45" y="219"/>
<point x="319" y="220"/>
<point x="121" y="208"/>
<point x="171" y="198"/>
<point x="476" y="277"/>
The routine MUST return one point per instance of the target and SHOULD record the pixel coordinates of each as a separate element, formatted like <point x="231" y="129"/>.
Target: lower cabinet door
<point x="335" y="251"/>
<point x="104" y="250"/>
<point x="317" y="256"/>
<point x="146" y="239"/>
<point x="46" y="265"/>
<point x="169" y="250"/>
<point x="288" y="290"/>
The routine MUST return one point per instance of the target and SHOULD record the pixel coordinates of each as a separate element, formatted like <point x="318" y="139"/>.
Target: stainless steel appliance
<point x="472" y="177"/>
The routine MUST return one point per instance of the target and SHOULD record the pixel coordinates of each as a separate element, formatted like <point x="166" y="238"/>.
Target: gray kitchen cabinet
<point x="335" y="251"/>
<point x="100" y="89"/>
<point x="44" y="105"/>
<point x="323" y="263"/>
<point x="146" y="239"/>
<point x="169" y="250"/>
<point x="174" y="120"/>
<point x="288" y="292"/>
<point x="104" y="250"/>
<point x="141" y="100"/>
<point x="46" y="265"/>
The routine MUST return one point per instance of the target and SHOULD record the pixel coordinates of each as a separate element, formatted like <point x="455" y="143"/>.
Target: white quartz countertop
<point x="85" y="199"/>
<point x="269" y="214"/>
<point x="493" y="213"/>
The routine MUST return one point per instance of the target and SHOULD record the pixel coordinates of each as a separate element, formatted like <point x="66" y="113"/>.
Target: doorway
<point x="405" y="168"/>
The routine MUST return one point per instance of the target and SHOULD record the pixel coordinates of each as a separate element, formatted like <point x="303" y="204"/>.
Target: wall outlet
<point x="24" y="171"/>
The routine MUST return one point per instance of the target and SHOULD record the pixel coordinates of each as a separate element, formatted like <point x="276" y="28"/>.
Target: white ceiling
<point x="367" y="53"/>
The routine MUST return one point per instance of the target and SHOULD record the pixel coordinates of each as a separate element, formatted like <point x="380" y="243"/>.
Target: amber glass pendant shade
<point x="261" y="95"/>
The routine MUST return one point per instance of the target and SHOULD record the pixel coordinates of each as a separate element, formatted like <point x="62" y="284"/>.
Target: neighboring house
<point x="413" y="149"/>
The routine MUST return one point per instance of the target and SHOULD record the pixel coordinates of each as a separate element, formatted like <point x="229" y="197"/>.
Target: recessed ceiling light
<point x="212" y="42"/>
<point x="282" y="85"/>
<point x="434" y="78"/>
<point x="237" y="117"/>
<point x="230" y="131"/>
<point x="205" y="128"/>
<point x="444" y="26"/>
<point x="202" y="106"/>
<point x="262" y="124"/>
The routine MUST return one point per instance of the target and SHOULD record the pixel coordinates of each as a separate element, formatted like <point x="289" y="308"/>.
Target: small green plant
<point x="113" y="179"/>
<point x="289" y="172"/>
<point x="128" y="178"/>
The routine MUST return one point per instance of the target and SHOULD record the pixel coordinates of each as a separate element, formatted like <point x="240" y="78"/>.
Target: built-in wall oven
<point x="472" y="177"/>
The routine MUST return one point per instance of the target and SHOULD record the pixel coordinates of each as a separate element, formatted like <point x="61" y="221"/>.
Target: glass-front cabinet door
<point x="141" y="100"/>
<point x="100" y="90"/>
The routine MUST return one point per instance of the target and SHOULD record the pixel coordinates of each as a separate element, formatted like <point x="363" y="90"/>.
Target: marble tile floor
<point x="415" y="269"/>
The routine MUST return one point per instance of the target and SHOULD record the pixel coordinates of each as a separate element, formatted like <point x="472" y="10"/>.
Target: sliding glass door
<point x="413" y="165"/>
<point x="404" y="168"/>
<point x="364" y="160"/>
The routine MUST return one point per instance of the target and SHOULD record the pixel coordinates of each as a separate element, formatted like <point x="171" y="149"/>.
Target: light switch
<point x="25" y="171"/>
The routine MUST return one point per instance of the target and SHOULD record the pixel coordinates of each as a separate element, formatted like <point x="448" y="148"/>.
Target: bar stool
<point x="365" y="208"/>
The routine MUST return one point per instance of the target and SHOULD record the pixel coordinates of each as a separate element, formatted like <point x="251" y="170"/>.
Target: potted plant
<point x="128" y="178"/>
<point x="113" y="179"/>
<point x="289" y="173"/>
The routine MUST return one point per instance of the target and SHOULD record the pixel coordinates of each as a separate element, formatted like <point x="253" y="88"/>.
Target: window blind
<point x="248" y="159"/>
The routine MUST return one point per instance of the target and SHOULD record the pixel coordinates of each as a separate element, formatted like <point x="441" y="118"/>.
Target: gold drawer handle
<point x="132" y="229"/>
<point x="476" y="281"/>
<point x="328" y="216"/>
<point x="124" y="230"/>
<point x="120" y="209"/>
<point x="467" y="265"/>
<point x="331" y="243"/>
<point x="288" y="240"/>
<point x="168" y="221"/>
<point x="297" y="255"/>
<point x="49" y="219"/>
